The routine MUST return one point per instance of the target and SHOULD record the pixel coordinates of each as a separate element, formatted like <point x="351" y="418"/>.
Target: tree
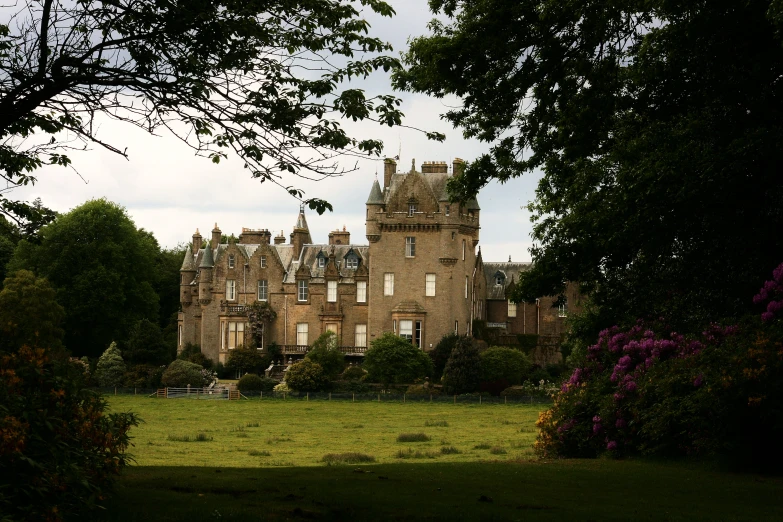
<point x="103" y="269"/>
<point x="258" y="79"/>
<point x="326" y="353"/>
<point x="111" y="368"/>
<point x="306" y="376"/>
<point x="504" y="364"/>
<point x="463" y="369"/>
<point x="29" y="313"/>
<point x="440" y="355"/>
<point x="394" y="360"/>
<point x="655" y="125"/>
<point x="146" y="344"/>
<point x="247" y="360"/>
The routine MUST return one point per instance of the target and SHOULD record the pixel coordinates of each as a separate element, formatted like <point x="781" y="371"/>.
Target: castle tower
<point x="205" y="276"/>
<point x="301" y="234"/>
<point x="374" y="206"/>
<point x="186" y="276"/>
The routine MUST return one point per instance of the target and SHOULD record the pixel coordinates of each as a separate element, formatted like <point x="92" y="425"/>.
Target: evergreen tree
<point x="326" y="353"/>
<point x="146" y="345"/>
<point x="29" y="313"/>
<point x="111" y="367"/>
<point x="463" y="369"/>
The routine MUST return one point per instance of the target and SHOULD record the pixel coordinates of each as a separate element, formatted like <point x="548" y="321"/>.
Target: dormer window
<point x="231" y="261"/>
<point x="499" y="279"/>
<point x="411" y="208"/>
<point x="351" y="260"/>
<point x="321" y="259"/>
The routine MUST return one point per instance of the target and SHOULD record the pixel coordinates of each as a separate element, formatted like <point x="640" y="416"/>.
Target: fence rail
<point x="197" y="393"/>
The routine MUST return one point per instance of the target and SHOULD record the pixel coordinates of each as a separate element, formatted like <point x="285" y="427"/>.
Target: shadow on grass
<point x="561" y="490"/>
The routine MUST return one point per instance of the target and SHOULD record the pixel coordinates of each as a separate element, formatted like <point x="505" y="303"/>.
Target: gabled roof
<point x="510" y="272"/>
<point x="376" y="196"/>
<point x="309" y="259"/>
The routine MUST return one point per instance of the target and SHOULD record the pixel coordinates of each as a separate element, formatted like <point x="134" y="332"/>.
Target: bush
<point x="111" y="368"/>
<point x="60" y="451"/>
<point x="180" y="374"/>
<point x="413" y="437"/>
<point x="326" y="353"/>
<point x="306" y="376"/>
<point x="394" y="360"/>
<point x="192" y="353"/>
<point x="252" y="382"/>
<point x="440" y="355"/>
<point x="422" y="389"/>
<point x="503" y="367"/>
<point x="463" y="368"/>
<point x="143" y="376"/>
<point x="247" y="360"/>
<point x="354" y="373"/>
<point x="641" y="392"/>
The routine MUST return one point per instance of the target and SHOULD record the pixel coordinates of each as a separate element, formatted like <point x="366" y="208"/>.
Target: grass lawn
<point x="264" y="460"/>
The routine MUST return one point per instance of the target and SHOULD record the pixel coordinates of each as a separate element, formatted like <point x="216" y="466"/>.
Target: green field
<point x="264" y="460"/>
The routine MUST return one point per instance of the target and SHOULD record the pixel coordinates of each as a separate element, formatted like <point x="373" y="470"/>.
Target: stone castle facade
<point x="420" y="275"/>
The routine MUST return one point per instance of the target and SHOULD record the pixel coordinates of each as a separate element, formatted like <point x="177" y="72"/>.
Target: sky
<point x="168" y="190"/>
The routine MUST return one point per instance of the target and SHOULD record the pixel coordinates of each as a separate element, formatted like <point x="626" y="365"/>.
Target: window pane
<point x="303" y="290"/>
<point x="410" y="246"/>
<point x="361" y="291"/>
<point x="430" y="285"/>
<point x="388" y="284"/>
<point x="231" y="294"/>
<point x="361" y="336"/>
<point x="406" y="329"/>
<point x="263" y="261"/>
<point x="331" y="291"/>
<point x="231" y="261"/>
<point x="263" y="293"/>
<point x="301" y="333"/>
<point x="512" y="309"/>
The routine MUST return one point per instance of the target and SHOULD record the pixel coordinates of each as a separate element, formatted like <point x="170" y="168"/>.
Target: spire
<point x="188" y="263"/>
<point x="376" y="197"/>
<point x="207" y="261"/>
<point x="301" y="222"/>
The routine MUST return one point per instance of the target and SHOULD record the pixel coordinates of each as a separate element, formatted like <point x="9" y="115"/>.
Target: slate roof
<point x="207" y="261"/>
<point x="188" y="263"/>
<point x="510" y="271"/>
<point x="435" y="180"/>
<point x="376" y="196"/>
<point x="309" y="257"/>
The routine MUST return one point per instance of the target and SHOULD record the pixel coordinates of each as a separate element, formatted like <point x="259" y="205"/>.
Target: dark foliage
<point x="463" y="369"/>
<point x="440" y="355"/>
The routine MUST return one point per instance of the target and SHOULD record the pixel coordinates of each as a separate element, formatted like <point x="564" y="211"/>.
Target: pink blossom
<point x="611" y="445"/>
<point x="620" y="423"/>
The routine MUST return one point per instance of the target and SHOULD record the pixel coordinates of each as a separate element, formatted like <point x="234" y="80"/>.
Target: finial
<point x="301" y="208"/>
<point x="509" y="259"/>
<point x="343" y="228"/>
<point x="413" y="165"/>
<point x="197" y="233"/>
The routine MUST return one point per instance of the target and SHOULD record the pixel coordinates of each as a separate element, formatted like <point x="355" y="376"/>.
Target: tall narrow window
<point x="303" y="291"/>
<point x="411" y="208"/>
<point x="231" y="290"/>
<point x="406" y="329"/>
<point x="360" y="339"/>
<point x="410" y="247"/>
<point x="236" y="334"/>
<point x="321" y="262"/>
<point x="456" y="327"/>
<point x="394" y="326"/>
<point x="512" y="309"/>
<point x="562" y="310"/>
<point x="388" y="284"/>
<point x="263" y="261"/>
<point x="463" y="250"/>
<point x="301" y="334"/>
<point x="429" y="285"/>
<point x="331" y="291"/>
<point x="263" y="290"/>
<point x="466" y="287"/>
<point x="231" y="261"/>
<point x="448" y="210"/>
<point x="179" y="335"/>
<point x="361" y="291"/>
<point x="417" y="334"/>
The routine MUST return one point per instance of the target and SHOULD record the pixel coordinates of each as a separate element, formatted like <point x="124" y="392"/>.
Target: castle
<point x="420" y="276"/>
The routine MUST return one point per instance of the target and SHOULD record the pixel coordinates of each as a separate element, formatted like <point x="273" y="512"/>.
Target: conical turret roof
<point x="188" y="263"/>
<point x="376" y="196"/>
<point x="207" y="261"/>
<point x="301" y="222"/>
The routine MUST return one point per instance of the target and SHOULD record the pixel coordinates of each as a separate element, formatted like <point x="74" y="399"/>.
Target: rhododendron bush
<point x="647" y="390"/>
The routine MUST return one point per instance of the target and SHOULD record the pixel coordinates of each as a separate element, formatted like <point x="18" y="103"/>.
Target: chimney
<point x="196" y="242"/>
<point x="434" y="167"/>
<point x="216" y="235"/>
<point x="389" y="168"/>
<point x="254" y="237"/>
<point x="338" y="237"/>
<point x="458" y="167"/>
<point x="279" y="240"/>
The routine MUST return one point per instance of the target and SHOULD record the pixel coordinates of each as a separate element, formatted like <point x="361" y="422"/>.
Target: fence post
<point x="115" y="390"/>
<point x="455" y="399"/>
<point x="330" y="396"/>
<point x="308" y="397"/>
<point x="353" y="397"/>
<point x="479" y="398"/>
<point x="262" y="394"/>
<point x="379" y="397"/>
<point x="134" y="391"/>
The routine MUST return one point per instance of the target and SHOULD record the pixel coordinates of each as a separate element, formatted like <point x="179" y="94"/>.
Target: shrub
<point x="440" y="355"/>
<point x="502" y="367"/>
<point x="463" y="368"/>
<point x="192" y="353"/>
<point x="394" y="360"/>
<point x="252" y="382"/>
<point x="347" y="458"/>
<point x="422" y="389"/>
<point x="449" y="450"/>
<point x="180" y="374"/>
<point x="413" y="437"/>
<point x="436" y="423"/>
<point x="642" y="392"/>
<point x="60" y="451"/>
<point x="306" y="376"/>
<point x="111" y="368"/>
<point x="143" y="376"/>
<point x="247" y="360"/>
<point x="354" y="373"/>
<point x="326" y="353"/>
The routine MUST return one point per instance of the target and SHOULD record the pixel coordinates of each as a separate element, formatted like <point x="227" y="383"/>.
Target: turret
<point x="301" y="234"/>
<point x="186" y="275"/>
<point x="374" y="205"/>
<point x="216" y="235"/>
<point x="205" y="276"/>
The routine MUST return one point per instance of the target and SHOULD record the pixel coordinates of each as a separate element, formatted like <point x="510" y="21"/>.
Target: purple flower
<point x="596" y="428"/>
<point x="620" y="424"/>
<point x="630" y="386"/>
<point x="611" y="445"/>
<point x="767" y="316"/>
<point x="596" y="419"/>
<point x="698" y="381"/>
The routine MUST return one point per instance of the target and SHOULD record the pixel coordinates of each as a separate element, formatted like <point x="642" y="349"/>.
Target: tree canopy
<point x="103" y="269"/>
<point x="29" y="314"/>
<point x="394" y="360"/>
<point x="265" y="80"/>
<point x="659" y="130"/>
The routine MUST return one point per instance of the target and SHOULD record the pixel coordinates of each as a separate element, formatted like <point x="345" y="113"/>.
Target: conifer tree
<point x="111" y="367"/>
<point x="463" y="369"/>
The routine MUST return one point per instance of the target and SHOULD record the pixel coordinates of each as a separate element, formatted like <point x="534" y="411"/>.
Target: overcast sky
<point x="169" y="191"/>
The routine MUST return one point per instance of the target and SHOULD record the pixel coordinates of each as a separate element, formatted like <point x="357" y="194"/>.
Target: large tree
<point x="29" y="314"/>
<point x="659" y="130"/>
<point x="266" y="80"/>
<point x="103" y="269"/>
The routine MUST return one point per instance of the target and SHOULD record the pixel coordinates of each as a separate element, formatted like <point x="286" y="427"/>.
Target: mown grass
<point x="277" y="472"/>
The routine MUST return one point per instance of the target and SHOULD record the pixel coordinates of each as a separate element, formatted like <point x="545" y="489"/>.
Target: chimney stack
<point x="389" y="168"/>
<point x="196" y="242"/>
<point x="216" y="235"/>
<point x="457" y="166"/>
<point x="279" y="240"/>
